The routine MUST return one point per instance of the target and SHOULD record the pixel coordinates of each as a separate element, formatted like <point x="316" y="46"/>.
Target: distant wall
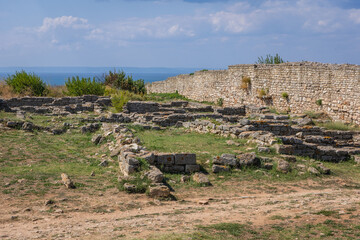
<point x="338" y="86"/>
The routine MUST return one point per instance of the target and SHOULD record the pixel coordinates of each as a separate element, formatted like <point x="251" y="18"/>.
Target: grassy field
<point x="38" y="158"/>
<point x="31" y="164"/>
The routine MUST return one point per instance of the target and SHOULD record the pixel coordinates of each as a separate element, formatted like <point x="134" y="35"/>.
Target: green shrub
<point x="220" y="102"/>
<point x="285" y="95"/>
<point x="319" y="102"/>
<point x="119" y="99"/>
<point x="27" y="83"/>
<point x="204" y="70"/>
<point x="84" y="86"/>
<point x="191" y="74"/>
<point x="119" y="80"/>
<point x="270" y="59"/>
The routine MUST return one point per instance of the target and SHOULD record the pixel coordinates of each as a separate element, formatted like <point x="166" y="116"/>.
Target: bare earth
<point x="115" y="214"/>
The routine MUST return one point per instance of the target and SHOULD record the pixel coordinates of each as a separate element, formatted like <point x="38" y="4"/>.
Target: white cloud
<point x="276" y="15"/>
<point x="143" y="29"/>
<point x="231" y="22"/>
<point x="63" y="22"/>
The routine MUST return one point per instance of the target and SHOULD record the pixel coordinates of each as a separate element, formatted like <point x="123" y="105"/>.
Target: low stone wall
<point x="63" y="105"/>
<point x="306" y="83"/>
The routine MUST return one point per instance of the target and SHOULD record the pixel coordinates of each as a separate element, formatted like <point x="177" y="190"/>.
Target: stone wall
<point x="338" y="86"/>
<point x="63" y="105"/>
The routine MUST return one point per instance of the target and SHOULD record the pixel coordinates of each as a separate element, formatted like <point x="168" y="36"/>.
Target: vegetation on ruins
<point x="245" y="82"/>
<point x="26" y="83"/>
<point x="319" y="102"/>
<point x="269" y="59"/>
<point x="263" y="93"/>
<point x="285" y="95"/>
<point x="220" y="102"/>
<point x="84" y="86"/>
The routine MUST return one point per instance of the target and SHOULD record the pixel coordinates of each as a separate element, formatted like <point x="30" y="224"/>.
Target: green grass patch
<point x="338" y="126"/>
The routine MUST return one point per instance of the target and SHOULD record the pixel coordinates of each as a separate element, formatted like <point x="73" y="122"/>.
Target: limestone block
<point x="185" y="159"/>
<point x="165" y="159"/>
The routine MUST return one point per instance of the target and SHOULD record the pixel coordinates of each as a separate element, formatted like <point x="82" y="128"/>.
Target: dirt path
<point x="113" y="214"/>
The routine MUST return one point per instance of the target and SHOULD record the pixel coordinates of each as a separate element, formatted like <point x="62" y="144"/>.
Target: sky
<point x="176" y="33"/>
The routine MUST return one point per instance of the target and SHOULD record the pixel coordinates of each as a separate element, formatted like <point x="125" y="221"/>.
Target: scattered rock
<point x="28" y="126"/>
<point x="220" y="168"/>
<point x="323" y="169"/>
<point x="184" y="178"/>
<point x="357" y="159"/>
<point x="225" y="159"/>
<point x="313" y="170"/>
<point x="59" y="211"/>
<point x="104" y="163"/>
<point x="201" y="178"/>
<point x="92" y="174"/>
<point x="203" y="202"/>
<point x="97" y="139"/>
<point x="248" y="160"/>
<point x="232" y="142"/>
<point x="49" y="202"/>
<point x="159" y="191"/>
<point x="67" y="181"/>
<point x="154" y="175"/>
<point x="283" y="166"/>
<point x="264" y="150"/>
<point x="268" y="166"/>
<point x="304" y="121"/>
<point x="130" y="188"/>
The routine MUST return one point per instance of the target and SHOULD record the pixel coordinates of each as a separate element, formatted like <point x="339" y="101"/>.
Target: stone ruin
<point x="288" y="136"/>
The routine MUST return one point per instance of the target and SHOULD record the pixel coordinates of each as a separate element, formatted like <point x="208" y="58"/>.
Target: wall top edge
<point x="304" y="63"/>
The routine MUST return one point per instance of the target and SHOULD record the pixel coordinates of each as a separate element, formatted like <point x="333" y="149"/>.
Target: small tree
<point x="119" y="80"/>
<point x="270" y="59"/>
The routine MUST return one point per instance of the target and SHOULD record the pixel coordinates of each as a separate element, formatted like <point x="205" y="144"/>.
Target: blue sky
<point x="176" y="33"/>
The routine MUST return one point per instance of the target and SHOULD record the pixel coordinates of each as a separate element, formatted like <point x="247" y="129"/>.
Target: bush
<point x="84" y="86"/>
<point x="270" y="59"/>
<point x="119" y="99"/>
<point x="220" y="102"/>
<point x="319" y="102"/>
<point x="285" y="95"/>
<point x="119" y="80"/>
<point x="245" y="82"/>
<point x="262" y="93"/>
<point x="27" y="83"/>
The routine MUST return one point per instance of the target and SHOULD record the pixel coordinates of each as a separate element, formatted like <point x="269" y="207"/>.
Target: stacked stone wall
<point x="337" y="86"/>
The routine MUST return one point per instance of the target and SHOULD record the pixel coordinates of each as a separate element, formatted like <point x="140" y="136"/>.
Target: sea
<point x="58" y="75"/>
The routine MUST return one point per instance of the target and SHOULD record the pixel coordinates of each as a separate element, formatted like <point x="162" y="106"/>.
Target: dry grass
<point x="6" y="91"/>
<point x="53" y="91"/>
<point x="56" y="91"/>
<point x="245" y="83"/>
